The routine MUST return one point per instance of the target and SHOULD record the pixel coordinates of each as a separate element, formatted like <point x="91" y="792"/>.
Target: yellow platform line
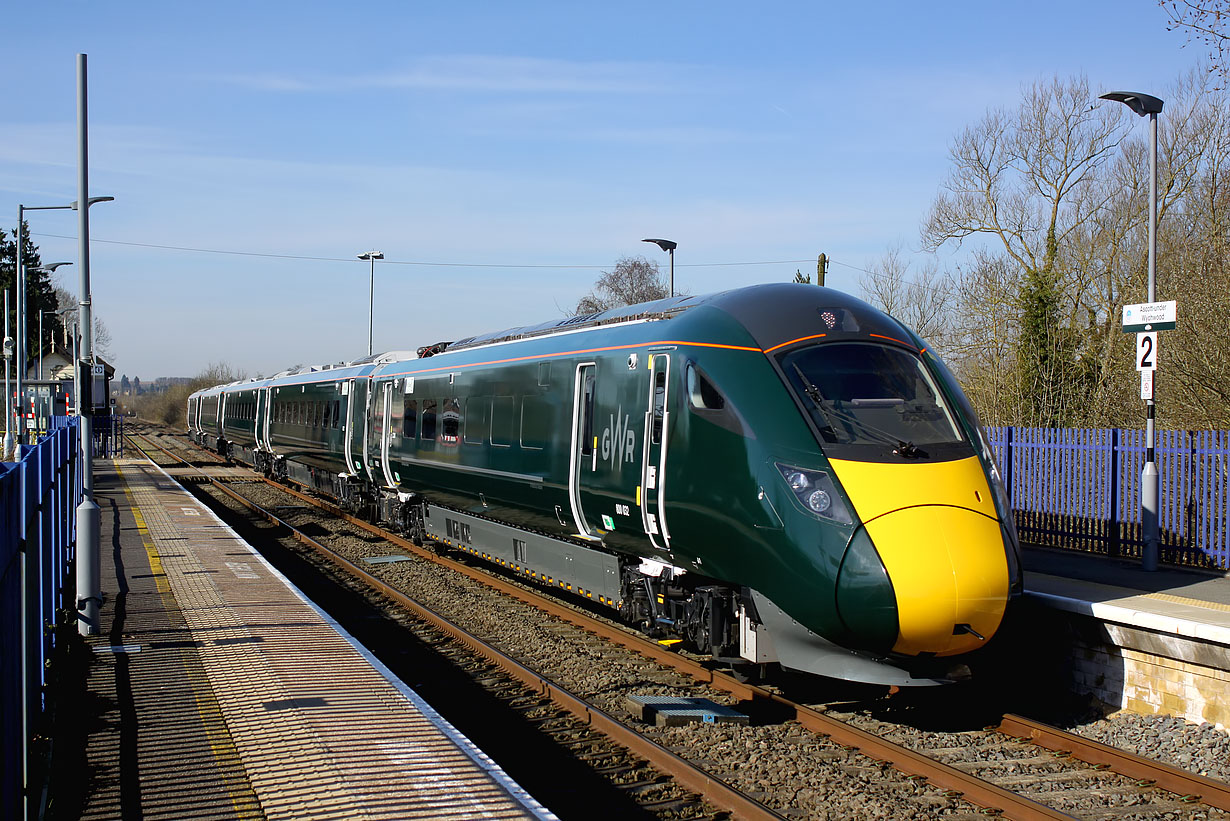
<point x="242" y="797"/>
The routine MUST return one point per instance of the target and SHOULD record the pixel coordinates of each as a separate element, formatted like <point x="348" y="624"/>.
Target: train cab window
<point x="702" y="394"/>
<point x="874" y="401"/>
<point x="429" y="420"/>
<point x="410" y="417"/>
<point x="328" y="420"/>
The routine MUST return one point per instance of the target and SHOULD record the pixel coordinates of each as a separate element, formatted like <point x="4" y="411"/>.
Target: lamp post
<point x="89" y="586"/>
<point x="371" y="295"/>
<point x="1142" y="104"/>
<point x="669" y="247"/>
<point x="8" y="397"/>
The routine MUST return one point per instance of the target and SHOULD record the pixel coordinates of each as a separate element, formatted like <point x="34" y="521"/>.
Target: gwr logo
<point x="618" y="440"/>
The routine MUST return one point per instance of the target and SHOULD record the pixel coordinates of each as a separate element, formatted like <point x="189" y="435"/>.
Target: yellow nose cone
<point x="948" y="568"/>
<point x="935" y="528"/>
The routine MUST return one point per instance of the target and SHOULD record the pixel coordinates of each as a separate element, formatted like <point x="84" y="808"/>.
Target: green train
<point x="773" y="474"/>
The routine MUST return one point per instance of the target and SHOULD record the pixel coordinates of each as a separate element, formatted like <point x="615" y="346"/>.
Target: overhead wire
<point x="423" y="263"/>
<point x="404" y="262"/>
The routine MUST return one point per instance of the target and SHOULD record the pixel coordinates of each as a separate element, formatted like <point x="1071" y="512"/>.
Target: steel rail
<point x="688" y="775"/>
<point x="1193" y="787"/>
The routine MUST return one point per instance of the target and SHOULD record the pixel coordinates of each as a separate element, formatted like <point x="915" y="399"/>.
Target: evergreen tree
<point x="40" y="294"/>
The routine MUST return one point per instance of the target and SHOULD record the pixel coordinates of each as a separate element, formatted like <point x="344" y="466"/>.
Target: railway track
<point x="1018" y="769"/>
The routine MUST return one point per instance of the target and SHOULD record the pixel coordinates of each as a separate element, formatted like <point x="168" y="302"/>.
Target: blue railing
<point x="39" y="495"/>
<point x="1080" y="489"/>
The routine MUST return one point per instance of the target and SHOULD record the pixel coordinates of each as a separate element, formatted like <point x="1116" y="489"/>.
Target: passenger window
<point x="535" y="421"/>
<point x="450" y="421"/>
<point x="502" y="421"/>
<point x="337" y="413"/>
<point x="429" y="420"/>
<point x="410" y="414"/>
<point x="478" y="419"/>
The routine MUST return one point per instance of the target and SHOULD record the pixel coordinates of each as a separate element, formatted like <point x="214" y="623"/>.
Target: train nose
<point x="950" y="590"/>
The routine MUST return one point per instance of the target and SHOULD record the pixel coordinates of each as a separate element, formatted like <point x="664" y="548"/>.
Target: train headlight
<point x="816" y="493"/>
<point x="819" y="501"/>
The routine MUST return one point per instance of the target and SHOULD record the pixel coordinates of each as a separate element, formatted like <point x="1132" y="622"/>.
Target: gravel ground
<point x="1199" y="748"/>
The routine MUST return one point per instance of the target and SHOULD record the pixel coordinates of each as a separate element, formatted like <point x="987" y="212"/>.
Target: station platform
<point x="1146" y="641"/>
<point x="220" y="692"/>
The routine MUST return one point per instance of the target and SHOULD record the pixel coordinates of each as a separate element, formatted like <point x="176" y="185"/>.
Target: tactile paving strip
<point x="321" y="732"/>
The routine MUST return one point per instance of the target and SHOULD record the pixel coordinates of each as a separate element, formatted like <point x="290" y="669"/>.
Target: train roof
<point x="775" y="314"/>
<point x="657" y="309"/>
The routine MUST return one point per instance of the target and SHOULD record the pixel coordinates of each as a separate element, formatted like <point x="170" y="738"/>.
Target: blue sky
<point x="500" y="155"/>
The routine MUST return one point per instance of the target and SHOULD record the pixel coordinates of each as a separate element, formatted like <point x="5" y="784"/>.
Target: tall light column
<point x="1150" y="496"/>
<point x="89" y="585"/>
<point x="371" y="295"/>
<point x="9" y="439"/>
<point x="669" y="247"/>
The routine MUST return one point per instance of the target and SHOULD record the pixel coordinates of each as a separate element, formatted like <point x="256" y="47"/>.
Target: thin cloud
<point x="479" y="73"/>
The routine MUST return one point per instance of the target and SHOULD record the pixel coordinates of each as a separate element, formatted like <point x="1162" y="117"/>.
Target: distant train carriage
<point x="779" y="473"/>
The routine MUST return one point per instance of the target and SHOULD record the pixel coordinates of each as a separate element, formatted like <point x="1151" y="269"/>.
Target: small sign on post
<point x="1146" y="384"/>
<point x="1150" y="316"/>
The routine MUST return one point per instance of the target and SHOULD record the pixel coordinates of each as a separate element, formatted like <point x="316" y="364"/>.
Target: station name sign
<point x="1150" y="316"/>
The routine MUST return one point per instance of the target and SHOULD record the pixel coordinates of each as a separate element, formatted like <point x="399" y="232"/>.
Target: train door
<point x="356" y="391"/>
<point x="583" y="441"/>
<point x="264" y="410"/>
<point x="386" y="431"/>
<point x="653" y="467"/>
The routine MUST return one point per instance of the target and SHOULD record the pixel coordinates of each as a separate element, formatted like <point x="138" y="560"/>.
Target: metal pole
<point x="8" y="396"/>
<point x="21" y="330"/>
<point x="89" y="594"/>
<point x="672" y="272"/>
<point x="1149" y="491"/>
<point x="371" y="304"/>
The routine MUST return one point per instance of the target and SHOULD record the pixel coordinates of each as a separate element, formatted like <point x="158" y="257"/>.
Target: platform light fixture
<point x="1141" y="105"/>
<point x="371" y="295"/>
<point x="669" y="247"/>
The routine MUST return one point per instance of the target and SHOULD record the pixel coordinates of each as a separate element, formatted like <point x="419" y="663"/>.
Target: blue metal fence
<point x="39" y="495"/>
<point x="1080" y="489"/>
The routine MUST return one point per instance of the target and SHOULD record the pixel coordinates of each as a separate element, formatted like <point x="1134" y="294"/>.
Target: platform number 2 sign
<point x="1146" y="351"/>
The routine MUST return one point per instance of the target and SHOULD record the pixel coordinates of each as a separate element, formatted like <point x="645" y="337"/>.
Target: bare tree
<point x="633" y="280"/>
<point x="1206" y="21"/>
<point x="922" y="302"/>
<point x="1058" y="192"/>
<point x="65" y="300"/>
